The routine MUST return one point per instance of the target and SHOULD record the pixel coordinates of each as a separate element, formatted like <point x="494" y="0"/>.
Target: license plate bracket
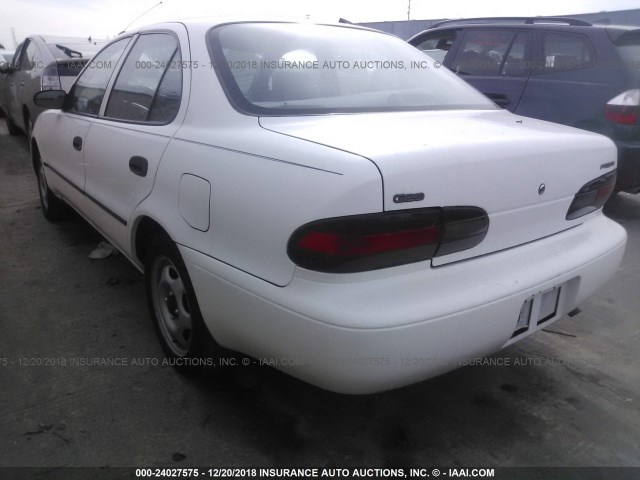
<point x="537" y="310"/>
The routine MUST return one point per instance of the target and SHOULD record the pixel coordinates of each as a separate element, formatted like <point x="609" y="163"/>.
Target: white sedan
<point x="325" y="200"/>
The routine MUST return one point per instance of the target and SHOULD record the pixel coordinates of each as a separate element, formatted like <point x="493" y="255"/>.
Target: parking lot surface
<point x="569" y="396"/>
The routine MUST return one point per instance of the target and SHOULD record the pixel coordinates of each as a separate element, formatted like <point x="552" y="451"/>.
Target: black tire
<point x="28" y="124"/>
<point x="12" y="127"/>
<point x="53" y="208"/>
<point x="174" y="309"/>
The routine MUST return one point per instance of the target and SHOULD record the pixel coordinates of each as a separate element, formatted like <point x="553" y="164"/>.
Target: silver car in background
<point x="6" y="56"/>
<point x="39" y="63"/>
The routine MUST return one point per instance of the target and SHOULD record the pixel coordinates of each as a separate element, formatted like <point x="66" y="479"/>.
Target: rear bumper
<point x="628" y="167"/>
<point x="363" y="333"/>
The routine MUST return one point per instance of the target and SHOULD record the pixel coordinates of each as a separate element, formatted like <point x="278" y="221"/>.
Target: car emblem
<point x="541" y="188"/>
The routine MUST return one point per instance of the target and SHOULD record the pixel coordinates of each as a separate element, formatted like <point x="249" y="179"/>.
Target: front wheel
<point x="174" y="309"/>
<point x="12" y="127"/>
<point x="28" y="124"/>
<point x="52" y="207"/>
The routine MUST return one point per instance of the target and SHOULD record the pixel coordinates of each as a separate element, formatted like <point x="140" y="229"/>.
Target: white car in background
<point x="310" y="196"/>
<point x="39" y="63"/>
<point x="6" y="56"/>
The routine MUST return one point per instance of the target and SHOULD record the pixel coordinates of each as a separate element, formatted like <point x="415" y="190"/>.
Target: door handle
<point x="139" y="166"/>
<point x="77" y="143"/>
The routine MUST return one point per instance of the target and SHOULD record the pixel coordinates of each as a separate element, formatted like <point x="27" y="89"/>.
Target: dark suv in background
<point x="39" y="63"/>
<point x="557" y="69"/>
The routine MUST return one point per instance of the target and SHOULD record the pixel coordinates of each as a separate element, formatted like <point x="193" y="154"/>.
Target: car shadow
<point x="467" y="410"/>
<point x="623" y="207"/>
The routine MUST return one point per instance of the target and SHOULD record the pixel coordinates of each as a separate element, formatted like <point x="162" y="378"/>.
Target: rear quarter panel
<point x="256" y="200"/>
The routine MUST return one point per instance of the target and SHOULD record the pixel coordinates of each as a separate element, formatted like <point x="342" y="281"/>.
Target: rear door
<point x="23" y="64"/>
<point x="126" y="143"/>
<point x="496" y="62"/>
<point x="571" y="83"/>
<point x="64" y="156"/>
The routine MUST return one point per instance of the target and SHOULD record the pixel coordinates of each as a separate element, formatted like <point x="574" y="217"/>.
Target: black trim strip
<point x="103" y="207"/>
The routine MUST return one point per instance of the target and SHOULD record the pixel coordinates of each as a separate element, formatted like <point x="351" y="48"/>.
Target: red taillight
<point x="624" y="109"/>
<point x="592" y="196"/>
<point x="50" y="79"/>
<point x="335" y="244"/>
<point x="368" y="242"/>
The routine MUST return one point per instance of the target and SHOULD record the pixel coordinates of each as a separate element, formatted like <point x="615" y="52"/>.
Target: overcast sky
<point x="106" y="18"/>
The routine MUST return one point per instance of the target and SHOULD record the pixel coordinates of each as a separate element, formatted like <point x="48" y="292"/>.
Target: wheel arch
<point x="25" y="114"/>
<point x="145" y="229"/>
<point x="35" y="154"/>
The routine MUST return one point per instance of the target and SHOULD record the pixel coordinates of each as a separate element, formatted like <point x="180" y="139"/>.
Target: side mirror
<point x="50" y="98"/>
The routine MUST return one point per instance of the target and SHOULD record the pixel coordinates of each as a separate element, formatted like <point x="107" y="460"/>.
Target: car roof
<point x="554" y="23"/>
<point x="200" y="23"/>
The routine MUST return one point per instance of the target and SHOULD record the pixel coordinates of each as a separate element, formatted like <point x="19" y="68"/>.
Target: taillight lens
<point x="624" y="109"/>
<point x="592" y="196"/>
<point x="359" y="243"/>
<point x="50" y="79"/>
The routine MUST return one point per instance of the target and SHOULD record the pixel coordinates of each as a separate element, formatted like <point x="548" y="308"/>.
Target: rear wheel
<point x="12" y="127"/>
<point x="52" y="207"/>
<point x="28" y="124"/>
<point x="174" y="309"/>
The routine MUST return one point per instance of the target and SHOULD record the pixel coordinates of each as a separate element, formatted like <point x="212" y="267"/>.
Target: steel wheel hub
<point x="171" y="306"/>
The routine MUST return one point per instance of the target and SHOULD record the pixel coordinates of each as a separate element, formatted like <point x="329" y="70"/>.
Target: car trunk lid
<point x="524" y="173"/>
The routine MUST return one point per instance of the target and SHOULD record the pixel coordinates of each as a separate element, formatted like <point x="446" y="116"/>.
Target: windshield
<point x="297" y="69"/>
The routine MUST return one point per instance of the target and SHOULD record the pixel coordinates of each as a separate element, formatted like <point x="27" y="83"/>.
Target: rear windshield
<point x="66" y="50"/>
<point x="298" y="69"/>
<point x="628" y="46"/>
<point x="72" y="68"/>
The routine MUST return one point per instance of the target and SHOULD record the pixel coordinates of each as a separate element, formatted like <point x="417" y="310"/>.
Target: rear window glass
<point x="482" y="52"/>
<point x="293" y="69"/>
<point x="566" y="52"/>
<point x="437" y="45"/>
<point x="629" y="48"/>
<point x="631" y="58"/>
<point x="67" y="50"/>
<point x="71" y="69"/>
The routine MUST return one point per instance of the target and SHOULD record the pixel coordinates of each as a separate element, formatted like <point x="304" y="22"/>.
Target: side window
<point x="149" y="85"/>
<point x="244" y="77"/>
<point x="166" y="102"/>
<point x="515" y="63"/>
<point x="437" y="46"/>
<point x="29" y="57"/>
<point x="566" y="52"/>
<point x="482" y="52"/>
<point x="88" y="92"/>
<point x="15" y="63"/>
